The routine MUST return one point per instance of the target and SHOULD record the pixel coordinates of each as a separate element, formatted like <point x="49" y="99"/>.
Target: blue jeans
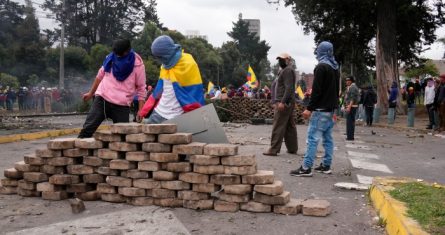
<point x="320" y="126"/>
<point x="154" y="118"/>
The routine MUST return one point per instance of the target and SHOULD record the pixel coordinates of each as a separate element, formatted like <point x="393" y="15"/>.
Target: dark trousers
<point x="369" y="115"/>
<point x="442" y="116"/>
<point x="99" y="111"/>
<point x="430" y="109"/>
<point x="350" y="123"/>
<point x="284" y="127"/>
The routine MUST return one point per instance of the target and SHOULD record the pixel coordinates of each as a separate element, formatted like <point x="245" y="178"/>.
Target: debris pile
<point x="153" y="165"/>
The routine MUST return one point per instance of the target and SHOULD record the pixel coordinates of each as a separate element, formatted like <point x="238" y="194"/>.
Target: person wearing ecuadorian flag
<point x="179" y="88"/>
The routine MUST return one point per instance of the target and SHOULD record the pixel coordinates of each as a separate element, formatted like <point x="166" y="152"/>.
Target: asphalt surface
<point x="386" y="152"/>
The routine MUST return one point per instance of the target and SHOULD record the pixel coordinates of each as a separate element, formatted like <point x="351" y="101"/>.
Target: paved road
<point x="388" y="152"/>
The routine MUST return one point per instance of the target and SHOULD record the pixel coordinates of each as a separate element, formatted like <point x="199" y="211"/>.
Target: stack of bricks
<point x="153" y="165"/>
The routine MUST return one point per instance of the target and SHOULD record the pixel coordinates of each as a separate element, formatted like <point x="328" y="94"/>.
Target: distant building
<point x="254" y="25"/>
<point x="189" y="34"/>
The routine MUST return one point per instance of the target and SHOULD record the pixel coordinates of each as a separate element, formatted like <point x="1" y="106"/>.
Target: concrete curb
<point x="393" y="211"/>
<point x="43" y="134"/>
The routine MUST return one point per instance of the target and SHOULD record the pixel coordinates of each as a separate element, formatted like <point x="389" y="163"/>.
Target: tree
<point x="427" y="68"/>
<point x="231" y="58"/>
<point x="7" y="80"/>
<point x="97" y="56"/>
<point x="142" y="43"/>
<point x="399" y="27"/>
<point x="88" y="22"/>
<point x="151" y="14"/>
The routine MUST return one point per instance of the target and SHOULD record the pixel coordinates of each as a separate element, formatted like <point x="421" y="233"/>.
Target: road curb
<point x="43" y="134"/>
<point x="390" y="210"/>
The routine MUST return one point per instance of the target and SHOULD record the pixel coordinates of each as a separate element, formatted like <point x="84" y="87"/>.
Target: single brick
<point x="119" y="181"/>
<point x="93" y="179"/>
<point x="112" y="197"/>
<point x="48" y="153"/>
<point x="164" y="157"/>
<point x="239" y="160"/>
<point x="165" y="175"/>
<point x="93" y="161"/>
<point x="54" y="196"/>
<point x="209" y="170"/>
<point x="149" y="166"/>
<point x="137" y="156"/>
<point x="240" y="170"/>
<point x="48" y="187"/>
<point x="225" y="179"/>
<point x="261" y="177"/>
<point x="126" y="128"/>
<point x="88" y="143"/>
<point x="163" y="193"/>
<point x="132" y="192"/>
<point x="313" y="207"/>
<point x="12" y="173"/>
<point x="233" y="197"/>
<point x="8" y="190"/>
<point x="168" y="202"/>
<point x="77" y="205"/>
<point x="220" y="149"/>
<point x="140" y="138"/>
<point x="32" y="159"/>
<point x="223" y="206"/>
<point x="204" y="160"/>
<point x="194" y="178"/>
<point x="281" y="199"/>
<point x="120" y="164"/>
<point x="140" y="201"/>
<point x="79" y="188"/>
<point x="53" y="170"/>
<point x="105" y="188"/>
<point x="293" y="207"/>
<point x="27" y="193"/>
<point x="239" y="189"/>
<point x="35" y="177"/>
<point x="107" y="136"/>
<point x="123" y="146"/>
<point x="107" y="171"/>
<point x="179" y="167"/>
<point x="76" y="152"/>
<point x="60" y="161"/>
<point x="175" y="185"/>
<point x="192" y="195"/>
<point x="136" y="174"/>
<point x="274" y="189"/>
<point x="22" y="166"/>
<point x="156" y="148"/>
<point x="146" y="183"/>
<point x="257" y="207"/>
<point x="199" y="205"/>
<point x="206" y="188"/>
<point x="9" y="182"/>
<point x="64" y="179"/>
<point x="159" y="128"/>
<point x="79" y="169"/>
<point x="61" y="143"/>
<point x="177" y="138"/>
<point x="194" y="148"/>
<point x="23" y="184"/>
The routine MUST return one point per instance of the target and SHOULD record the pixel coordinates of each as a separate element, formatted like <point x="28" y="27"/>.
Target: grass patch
<point x="426" y="204"/>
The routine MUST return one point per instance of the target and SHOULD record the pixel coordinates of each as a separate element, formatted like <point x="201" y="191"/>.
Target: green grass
<point x="426" y="204"/>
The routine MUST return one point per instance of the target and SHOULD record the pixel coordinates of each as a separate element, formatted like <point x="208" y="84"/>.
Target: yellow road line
<point x="43" y="134"/>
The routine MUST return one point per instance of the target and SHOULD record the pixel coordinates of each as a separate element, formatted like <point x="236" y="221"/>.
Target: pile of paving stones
<point x="153" y="165"/>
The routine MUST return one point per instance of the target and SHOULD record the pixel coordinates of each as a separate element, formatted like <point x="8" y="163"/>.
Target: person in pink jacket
<point x="121" y="77"/>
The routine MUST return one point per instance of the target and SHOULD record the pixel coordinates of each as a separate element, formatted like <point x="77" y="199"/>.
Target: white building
<point x="189" y="34"/>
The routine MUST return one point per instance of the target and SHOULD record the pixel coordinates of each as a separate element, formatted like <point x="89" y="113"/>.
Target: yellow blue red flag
<point x="252" y="82"/>
<point x="210" y="87"/>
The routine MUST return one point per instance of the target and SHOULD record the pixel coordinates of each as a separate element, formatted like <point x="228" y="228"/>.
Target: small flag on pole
<point x="210" y="88"/>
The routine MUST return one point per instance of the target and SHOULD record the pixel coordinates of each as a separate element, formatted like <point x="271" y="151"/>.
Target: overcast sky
<point x="215" y="18"/>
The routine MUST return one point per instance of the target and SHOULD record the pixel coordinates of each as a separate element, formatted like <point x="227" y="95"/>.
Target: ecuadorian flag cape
<point x="187" y="84"/>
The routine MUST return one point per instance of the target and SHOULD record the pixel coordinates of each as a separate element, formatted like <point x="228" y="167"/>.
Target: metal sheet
<point x="203" y="123"/>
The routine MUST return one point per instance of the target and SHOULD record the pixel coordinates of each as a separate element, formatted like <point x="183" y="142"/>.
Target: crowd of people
<point x="232" y="92"/>
<point x="33" y="99"/>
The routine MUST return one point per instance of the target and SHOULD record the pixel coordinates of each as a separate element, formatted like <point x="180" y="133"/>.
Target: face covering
<point x="282" y="63"/>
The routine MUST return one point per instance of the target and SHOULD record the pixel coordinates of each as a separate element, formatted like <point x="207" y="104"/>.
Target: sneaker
<point x="268" y="153"/>
<point x="323" y="169"/>
<point x="300" y="172"/>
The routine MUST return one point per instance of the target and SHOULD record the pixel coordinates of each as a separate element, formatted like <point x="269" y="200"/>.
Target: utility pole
<point x="62" y="53"/>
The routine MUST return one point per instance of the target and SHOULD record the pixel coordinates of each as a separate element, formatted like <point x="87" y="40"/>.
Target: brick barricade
<point x="152" y="165"/>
